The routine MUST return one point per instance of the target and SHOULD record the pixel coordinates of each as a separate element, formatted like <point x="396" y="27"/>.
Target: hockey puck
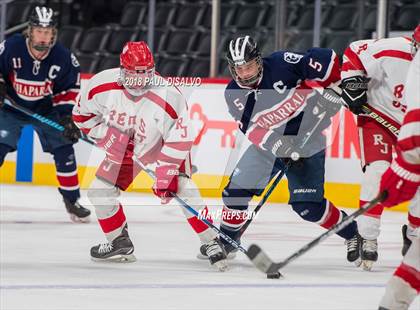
<point x="276" y="275"/>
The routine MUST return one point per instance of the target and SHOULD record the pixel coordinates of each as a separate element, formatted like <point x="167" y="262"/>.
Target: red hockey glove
<point x="166" y="183"/>
<point x="117" y="145"/>
<point x="400" y="182"/>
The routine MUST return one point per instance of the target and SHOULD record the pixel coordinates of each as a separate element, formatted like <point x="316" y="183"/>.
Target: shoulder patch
<point x="292" y="57"/>
<point x="74" y="60"/>
<point x="2" y="47"/>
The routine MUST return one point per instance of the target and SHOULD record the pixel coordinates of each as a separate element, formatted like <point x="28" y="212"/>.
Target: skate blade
<point x="230" y="256"/>
<point x="357" y="262"/>
<point x="116" y="259"/>
<point x="367" y="265"/>
<point x="79" y="220"/>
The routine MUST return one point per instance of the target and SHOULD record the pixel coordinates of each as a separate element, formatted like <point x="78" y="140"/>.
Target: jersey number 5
<point x="315" y="64"/>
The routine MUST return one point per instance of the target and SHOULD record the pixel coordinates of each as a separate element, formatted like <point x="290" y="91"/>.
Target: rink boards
<point x="215" y="152"/>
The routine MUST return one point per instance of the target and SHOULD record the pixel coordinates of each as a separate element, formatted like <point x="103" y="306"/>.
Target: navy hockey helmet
<point x="241" y="51"/>
<point x="42" y="16"/>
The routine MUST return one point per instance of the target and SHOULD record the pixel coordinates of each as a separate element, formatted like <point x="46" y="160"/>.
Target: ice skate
<point x="77" y="213"/>
<point x="353" y="250"/>
<point x="369" y="253"/>
<point x="120" y="250"/>
<point x="216" y="254"/>
<point x="203" y="254"/>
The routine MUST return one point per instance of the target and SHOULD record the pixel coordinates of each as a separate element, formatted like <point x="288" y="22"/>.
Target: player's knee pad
<point x="371" y="178"/>
<point x="102" y="194"/>
<point x="4" y="149"/>
<point x="64" y="158"/>
<point x="310" y="211"/>
<point x="236" y="198"/>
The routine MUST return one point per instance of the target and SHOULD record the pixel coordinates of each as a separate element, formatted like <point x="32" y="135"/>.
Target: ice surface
<point x="45" y="263"/>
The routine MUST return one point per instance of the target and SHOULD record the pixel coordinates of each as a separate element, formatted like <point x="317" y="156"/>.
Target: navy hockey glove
<point x="354" y="93"/>
<point x="71" y="131"/>
<point x="2" y="91"/>
<point x="329" y="102"/>
<point x="285" y="149"/>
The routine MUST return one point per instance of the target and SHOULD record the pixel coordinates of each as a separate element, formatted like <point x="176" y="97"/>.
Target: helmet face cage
<point x="42" y="17"/>
<point x="134" y="81"/>
<point x="243" y="50"/>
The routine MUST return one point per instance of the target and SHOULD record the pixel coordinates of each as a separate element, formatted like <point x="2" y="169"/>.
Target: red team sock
<point x="197" y="224"/>
<point x="114" y="222"/>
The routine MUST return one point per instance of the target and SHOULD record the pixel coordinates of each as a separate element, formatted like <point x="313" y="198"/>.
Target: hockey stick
<point x="276" y="181"/>
<point x="266" y="265"/>
<point x="367" y="111"/>
<point x="391" y="128"/>
<point x="58" y="127"/>
<point x="199" y="216"/>
<point x="9" y="102"/>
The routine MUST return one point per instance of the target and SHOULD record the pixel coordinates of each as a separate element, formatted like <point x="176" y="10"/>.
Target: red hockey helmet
<point x="137" y="67"/>
<point x="415" y="41"/>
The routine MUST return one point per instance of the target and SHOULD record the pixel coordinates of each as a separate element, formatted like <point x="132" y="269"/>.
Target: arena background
<point x="188" y="39"/>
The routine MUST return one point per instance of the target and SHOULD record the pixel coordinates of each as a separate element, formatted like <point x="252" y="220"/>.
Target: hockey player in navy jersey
<point x="277" y="111"/>
<point x="40" y="74"/>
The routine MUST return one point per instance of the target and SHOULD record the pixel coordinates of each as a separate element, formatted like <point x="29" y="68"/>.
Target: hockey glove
<point x="401" y="181"/>
<point x="354" y="93"/>
<point x="329" y="102"/>
<point x="166" y="183"/>
<point x="285" y="149"/>
<point x="117" y="145"/>
<point x="2" y="91"/>
<point x="71" y="131"/>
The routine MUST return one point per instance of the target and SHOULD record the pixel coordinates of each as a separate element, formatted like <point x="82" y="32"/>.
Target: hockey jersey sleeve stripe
<point x="410" y="143"/>
<point x="412" y="116"/>
<point x="103" y="88"/>
<point x="409" y="130"/>
<point x="395" y="54"/>
<point x="65" y="97"/>
<point x="86" y="131"/>
<point x="162" y="103"/>
<point x="353" y="61"/>
<point x="181" y="146"/>
<point x="168" y="159"/>
<point x="180" y="155"/>
<point x="82" y="118"/>
<point x="333" y="73"/>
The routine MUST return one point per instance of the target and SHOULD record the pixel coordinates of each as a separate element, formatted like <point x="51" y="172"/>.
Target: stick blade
<point x="260" y="259"/>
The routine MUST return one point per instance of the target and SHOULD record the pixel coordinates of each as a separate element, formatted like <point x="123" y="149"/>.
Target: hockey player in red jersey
<point x="135" y="115"/>
<point x="374" y="74"/>
<point x="43" y="76"/>
<point x="402" y="180"/>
